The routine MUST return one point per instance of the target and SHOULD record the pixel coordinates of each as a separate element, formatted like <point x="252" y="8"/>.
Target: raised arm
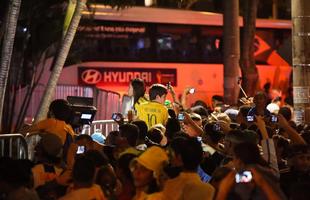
<point x="292" y="133"/>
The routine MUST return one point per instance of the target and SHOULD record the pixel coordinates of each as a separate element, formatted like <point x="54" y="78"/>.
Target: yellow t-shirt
<point x="141" y="101"/>
<point x="152" y="113"/>
<point x="51" y="125"/>
<point x="40" y="176"/>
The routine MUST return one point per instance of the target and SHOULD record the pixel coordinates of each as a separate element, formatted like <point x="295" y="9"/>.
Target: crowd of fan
<point x="167" y="151"/>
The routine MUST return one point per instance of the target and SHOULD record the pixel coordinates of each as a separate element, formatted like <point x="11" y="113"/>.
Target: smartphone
<point x="274" y="118"/>
<point x="250" y="118"/>
<point x="80" y="150"/>
<point x="181" y="117"/>
<point x="192" y="91"/>
<point x="116" y="117"/>
<point x="243" y="177"/>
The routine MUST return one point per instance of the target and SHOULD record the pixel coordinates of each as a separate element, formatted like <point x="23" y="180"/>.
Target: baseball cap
<point x="154" y="159"/>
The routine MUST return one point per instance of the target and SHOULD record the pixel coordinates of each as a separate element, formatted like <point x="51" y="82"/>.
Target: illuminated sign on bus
<point x="122" y="76"/>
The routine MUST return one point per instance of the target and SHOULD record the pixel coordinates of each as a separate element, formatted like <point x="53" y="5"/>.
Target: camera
<point x="274" y="118"/>
<point x="82" y="111"/>
<point x="192" y="91"/>
<point x="181" y="117"/>
<point x="243" y="177"/>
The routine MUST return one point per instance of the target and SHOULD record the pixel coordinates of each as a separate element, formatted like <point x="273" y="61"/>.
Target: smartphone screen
<point x="216" y="127"/>
<point x="86" y="116"/>
<point x="116" y="117"/>
<point x="250" y="118"/>
<point x="192" y="91"/>
<point x="274" y="118"/>
<point x="181" y="117"/>
<point x="243" y="177"/>
<point x="80" y="150"/>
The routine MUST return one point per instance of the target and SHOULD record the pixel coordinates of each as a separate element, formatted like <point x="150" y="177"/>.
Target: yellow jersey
<point x="152" y="113"/>
<point x="141" y="100"/>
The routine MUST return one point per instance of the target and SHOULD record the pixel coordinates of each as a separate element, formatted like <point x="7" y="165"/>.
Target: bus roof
<point x="172" y="16"/>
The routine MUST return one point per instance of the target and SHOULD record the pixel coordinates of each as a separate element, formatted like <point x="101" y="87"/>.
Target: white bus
<point x="166" y="45"/>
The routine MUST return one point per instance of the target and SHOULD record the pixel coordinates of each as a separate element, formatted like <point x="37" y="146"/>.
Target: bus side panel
<point x="207" y="79"/>
<point x="278" y="76"/>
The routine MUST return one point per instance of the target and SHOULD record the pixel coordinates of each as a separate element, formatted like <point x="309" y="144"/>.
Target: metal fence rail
<point x="19" y="147"/>
<point x="102" y="126"/>
<point x="14" y="146"/>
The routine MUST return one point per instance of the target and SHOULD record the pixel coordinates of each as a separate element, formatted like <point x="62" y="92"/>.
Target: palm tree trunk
<point x="231" y="51"/>
<point x="7" y="49"/>
<point x="60" y="60"/>
<point x="247" y="62"/>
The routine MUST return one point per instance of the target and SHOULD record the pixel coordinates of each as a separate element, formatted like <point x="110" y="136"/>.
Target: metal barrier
<point x="20" y="147"/>
<point x="102" y="126"/>
<point x="32" y="141"/>
<point x="14" y="146"/>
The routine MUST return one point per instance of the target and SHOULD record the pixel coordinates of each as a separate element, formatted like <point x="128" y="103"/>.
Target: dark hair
<point x="210" y="129"/>
<point x="190" y="151"/>
<point x="202" y="111"/>
<point x="123" y="164"/>
<point x="130" y="132"/>
<point x="153" y="137"/>
<point x="16" y="173"/>
<point x="240" y="136"/>
<point x="111" y="138"/>
<point x="98" y="158"/>
<point x="157" y="89"/>
<point x="172" y="113"/>
<point x="200" y="103"/>
<point x="286" y="112"/>
<point x="219" y="174"/>
<point x="244" y="110"/>
<point x="138" y="87"/>
<point x="107" y="180"/>
<point x="84" y="137"/>
<point x="289" y="101"/>
<point x="283" y="143"/>
<point x="152" y="187"/>
<point x="83" y="170"/>
<point x="172" y="127"/>
<point x="249" y="154"/>
<point x="60" y="109"/>
<point x="218" y="98"/>
<point x="277" y="99"/>
<point x="142" y="128"/>
<point x="267" y="86"/>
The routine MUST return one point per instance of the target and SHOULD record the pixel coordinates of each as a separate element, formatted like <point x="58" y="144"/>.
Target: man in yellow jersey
<point x="154" y="112"/>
